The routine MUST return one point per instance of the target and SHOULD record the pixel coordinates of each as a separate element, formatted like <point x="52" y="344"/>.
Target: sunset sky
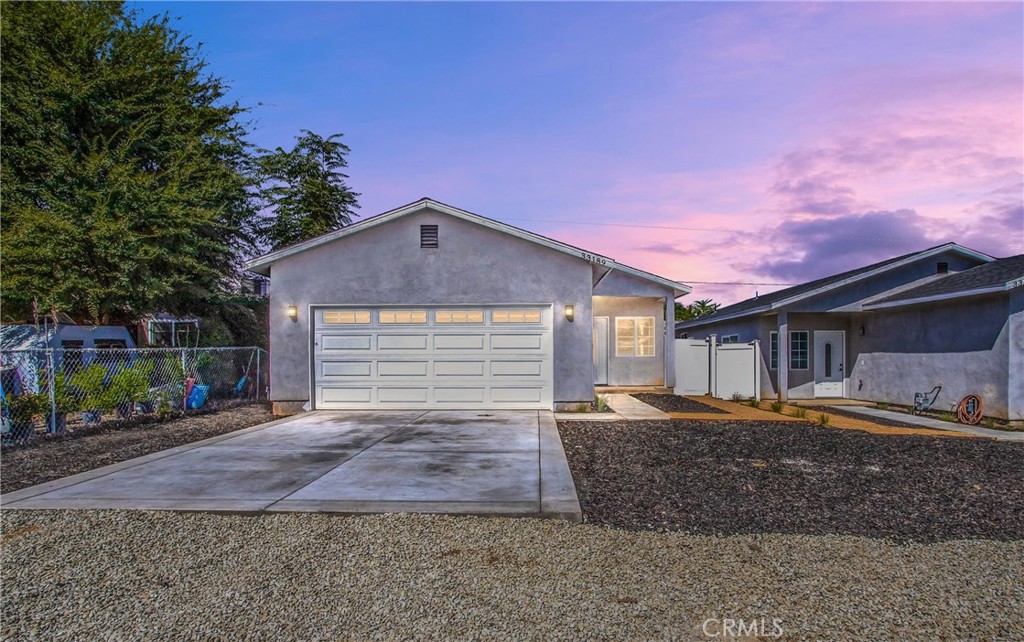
<point x="730" y="142"/>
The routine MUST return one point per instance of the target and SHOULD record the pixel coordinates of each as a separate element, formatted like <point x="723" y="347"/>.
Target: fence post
<point x="184" y="385"/>
<point x="53" y="397"/>
<point x="258" y="380"/>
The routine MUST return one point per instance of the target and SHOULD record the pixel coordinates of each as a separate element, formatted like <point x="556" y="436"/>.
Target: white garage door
<point x="433" y="357"/>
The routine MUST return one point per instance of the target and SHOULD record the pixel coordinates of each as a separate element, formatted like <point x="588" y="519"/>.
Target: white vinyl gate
<point x="704" y="367"/>
<point x="436" y="356"/>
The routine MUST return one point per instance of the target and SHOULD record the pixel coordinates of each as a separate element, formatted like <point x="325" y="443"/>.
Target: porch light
<point x="293" y="312"/>
<point x="570" y="312"/>
<point x="861" y="331"/>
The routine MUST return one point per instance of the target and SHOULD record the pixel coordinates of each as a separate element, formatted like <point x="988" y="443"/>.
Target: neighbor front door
<point x="829" y="351"/>
<point x="601" y="351"/>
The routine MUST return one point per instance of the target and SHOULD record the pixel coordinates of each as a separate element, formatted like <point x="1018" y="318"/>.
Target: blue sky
<point x="813" y="137"/>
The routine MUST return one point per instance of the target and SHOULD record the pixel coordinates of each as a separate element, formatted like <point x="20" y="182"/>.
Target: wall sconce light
<point x="860" y="331"/>
<point x="293" y="313"/>
<point x="570" y="313"/>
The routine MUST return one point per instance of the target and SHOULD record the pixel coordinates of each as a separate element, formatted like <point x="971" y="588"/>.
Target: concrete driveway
<point x="498" y="462"/>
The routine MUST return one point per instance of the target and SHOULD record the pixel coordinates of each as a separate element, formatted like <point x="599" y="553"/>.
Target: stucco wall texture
<point x="472" y="265"/>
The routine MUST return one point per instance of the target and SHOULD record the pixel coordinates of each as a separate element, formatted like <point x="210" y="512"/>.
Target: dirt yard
<point x="46" y="460"/>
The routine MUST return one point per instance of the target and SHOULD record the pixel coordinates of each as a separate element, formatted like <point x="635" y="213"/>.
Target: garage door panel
<point x="459" y="368"/>
<point x="517" y="395"/>
<point x="402" y="341"/>
<point x="346" y="395"/>
<point x="345" y="368"/>
<point x="459" y="341"/>
<point x="341" y="343"/>
<point x="516" y="341"/>
<point x="402" y="368"/>
<point x="402" y="395"/>
<point x="521" y="368"/>
<point x="460" y="395"/>
<point x="436" y="363"/>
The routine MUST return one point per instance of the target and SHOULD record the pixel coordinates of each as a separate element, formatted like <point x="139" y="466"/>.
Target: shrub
<point x="881" y="405"/>
<point x="777" y="406"/>
<point x="753" y="402"/>
<point x="799" y="412"/>
<point x="737" y="397"/>
<point x="824" y="419"/>
<point x="601" y="403"/>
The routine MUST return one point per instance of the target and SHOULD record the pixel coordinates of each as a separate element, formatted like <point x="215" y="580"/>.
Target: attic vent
<point x="942" y="268"/>
<point x="428" y="236"/>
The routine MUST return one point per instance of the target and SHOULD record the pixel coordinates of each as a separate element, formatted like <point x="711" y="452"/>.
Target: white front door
<point x="601" y="351"/>
<point x="432" y="356"/>
<point x="829" y="363"/>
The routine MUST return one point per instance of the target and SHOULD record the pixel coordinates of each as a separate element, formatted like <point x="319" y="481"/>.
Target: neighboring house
<point x="946" y="316"/>
<point x="64" y="335"/>
<point x="430" y="306"/>
<point x="21" y="346"/>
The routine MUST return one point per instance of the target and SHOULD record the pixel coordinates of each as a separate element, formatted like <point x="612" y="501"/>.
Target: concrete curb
<point x="557" y="489"/>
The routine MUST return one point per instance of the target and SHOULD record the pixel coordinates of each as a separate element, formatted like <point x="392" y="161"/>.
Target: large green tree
<point x="303" y="191"/>
<point x="695" y="310"/>
<point x="124" y="169"/>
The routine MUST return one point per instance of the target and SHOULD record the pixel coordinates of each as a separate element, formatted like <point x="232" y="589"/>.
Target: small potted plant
<point x="128" y="386"/>
<point x="23" y="410"/>
<point x="92" y="386"/>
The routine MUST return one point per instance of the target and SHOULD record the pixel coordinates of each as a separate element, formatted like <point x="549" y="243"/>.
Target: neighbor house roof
<point x="998" y="276"/>
<point x="796" y="293"/>
<point x="262" y="264"/>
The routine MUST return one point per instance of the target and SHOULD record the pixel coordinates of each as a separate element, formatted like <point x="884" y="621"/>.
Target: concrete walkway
<point x="937" y="424"/>
<point x="633" y="409"/>
<point x="472" y="462"/>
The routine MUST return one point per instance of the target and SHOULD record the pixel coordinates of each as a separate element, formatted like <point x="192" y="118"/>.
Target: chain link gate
<point x="56" y="390"/>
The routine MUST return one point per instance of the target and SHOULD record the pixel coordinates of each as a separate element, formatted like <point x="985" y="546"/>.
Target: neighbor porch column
<point x="1015" y="381"/>
<point x="783" y="371"/>
<point x="670" y="342"/>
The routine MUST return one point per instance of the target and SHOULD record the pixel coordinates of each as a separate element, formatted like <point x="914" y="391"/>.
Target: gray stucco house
<point x="431" y="306"/>
<point x="947" y="316"/>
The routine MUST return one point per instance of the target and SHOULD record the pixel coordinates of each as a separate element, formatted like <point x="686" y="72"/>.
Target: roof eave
<point x="936" y="298"/>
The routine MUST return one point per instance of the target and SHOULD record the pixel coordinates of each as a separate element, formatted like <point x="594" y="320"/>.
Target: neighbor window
<point x="402" y="316"/>
<point x="731" y="338"/>
<point x="459" y="316"/>
<point x="773" y="356"/>
<point x="515" y="316"/>
<point x="798" y="355"/>
<point x="336" y="317"/>
<point x="634" y="336"/>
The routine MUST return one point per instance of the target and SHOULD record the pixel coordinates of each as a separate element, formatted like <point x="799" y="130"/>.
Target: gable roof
<point x="796" y="293"/>
<point x="998" y="276"/>
<point x="261" y="265"/>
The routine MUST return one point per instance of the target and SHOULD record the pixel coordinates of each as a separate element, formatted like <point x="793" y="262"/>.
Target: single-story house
<point x="947" y="316"/>
<point x="26" y="336"/>
<point x="431" y="306"/>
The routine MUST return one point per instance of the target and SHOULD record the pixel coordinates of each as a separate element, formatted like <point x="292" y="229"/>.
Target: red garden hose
<point x="970" y="409"/>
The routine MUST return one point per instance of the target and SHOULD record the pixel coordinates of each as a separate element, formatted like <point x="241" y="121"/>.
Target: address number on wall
<point x="593" y="258"/>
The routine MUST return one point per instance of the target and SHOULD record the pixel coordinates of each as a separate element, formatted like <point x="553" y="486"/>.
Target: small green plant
<point x="601" y="403"/>
<point x="800" y="413"/>
<point x="948" y="416"/>
<point x="91" y="383"/>
<point x="25" y="406"/>
<point x="737" y="397"/>
<point x="583" y="407"/>
<point x="130" y="384"/>
<point x="163" y="404"/>
<point x="824" y="419"/>
<point x="881" y="405"/>
<point x="777" y="406"/>
<point x="753" y="402"/>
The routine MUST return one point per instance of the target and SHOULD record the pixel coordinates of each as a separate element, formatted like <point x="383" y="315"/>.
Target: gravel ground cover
<point x="46" y="460"/>
<point x="675" y="403"/>
<point x="110" y="575"/>
<point x="754" y="477"/>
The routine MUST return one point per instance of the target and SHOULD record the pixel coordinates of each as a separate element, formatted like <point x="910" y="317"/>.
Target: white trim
<point x="265" y="261"/>
<point x="636" y="337"/>
<point x="985" y="258"/>
<point x="994" y="289"/>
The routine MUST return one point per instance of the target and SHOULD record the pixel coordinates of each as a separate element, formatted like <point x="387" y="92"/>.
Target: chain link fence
<point x="61" y="390"/>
